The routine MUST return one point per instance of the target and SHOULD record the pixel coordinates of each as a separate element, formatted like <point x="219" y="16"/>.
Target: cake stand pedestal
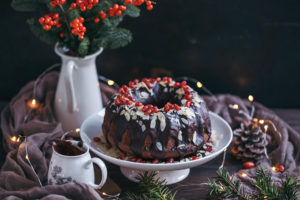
<point x="171" y="177"/>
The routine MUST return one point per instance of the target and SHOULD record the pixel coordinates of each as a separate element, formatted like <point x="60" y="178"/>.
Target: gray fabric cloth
<point x="283" y="151"/>
<point x="17" y="179"/>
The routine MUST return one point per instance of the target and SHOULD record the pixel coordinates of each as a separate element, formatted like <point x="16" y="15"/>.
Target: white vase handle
<point x="103" y="169"/>
<point x="69" y="82"/>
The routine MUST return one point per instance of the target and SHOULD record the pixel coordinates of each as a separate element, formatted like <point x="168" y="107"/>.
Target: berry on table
<point x="248" y="165"/>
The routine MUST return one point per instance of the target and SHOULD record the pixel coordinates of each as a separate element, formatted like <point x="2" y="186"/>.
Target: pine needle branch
<point x="150" y="188"/>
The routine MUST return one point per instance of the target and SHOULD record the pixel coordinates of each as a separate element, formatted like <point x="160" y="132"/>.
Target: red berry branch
<point x="85" y="19"/>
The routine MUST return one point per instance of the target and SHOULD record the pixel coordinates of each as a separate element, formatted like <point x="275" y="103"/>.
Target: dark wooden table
<point x="192" y="188"/>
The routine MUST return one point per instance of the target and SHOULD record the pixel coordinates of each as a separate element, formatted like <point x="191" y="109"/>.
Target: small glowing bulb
<point x="27" y="158"/>
<point x="33" y="103"/>
<point x="266" y="128"/>
<point x="199" y="84"/>
<point x="110" y="82"/>
<point x="18" y="140"/>
<point x="77" y="130"/>
<point x="235" y="106"/>
<point x="261" y="121"/>
<point x="255" y="120"/>
<point x="250" y="98"/>
<point x="14" y="138"/>
<point x="274" y="169"/>
<point x="103" y="193"/>
<point x="243" y="174"/>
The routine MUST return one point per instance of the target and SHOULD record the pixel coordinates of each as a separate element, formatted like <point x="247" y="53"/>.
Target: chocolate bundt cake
<point x="157" y="119"/>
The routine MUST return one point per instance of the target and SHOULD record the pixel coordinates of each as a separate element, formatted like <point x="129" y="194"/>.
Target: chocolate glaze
<point x="171" y="145"/>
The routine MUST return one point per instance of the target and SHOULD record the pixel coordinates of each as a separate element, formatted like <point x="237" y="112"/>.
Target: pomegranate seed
<point x="139" y="160"/>
<point x="209" y="149"/>
<point x="155" y="161"/>
<point x="177" y="85"/>
<point x="133" y="159"/>
<point x="70" y="138"/>
<point x="183" y="83"/>
<point x="148" y="112"/>
<point x="188" y="104"/>
<point x="138" y="104"/>
<point x="158" y="79"/>
<point x="194" y="158"/>
<point x="176" y="107"/>
<point x="155" y="109"/>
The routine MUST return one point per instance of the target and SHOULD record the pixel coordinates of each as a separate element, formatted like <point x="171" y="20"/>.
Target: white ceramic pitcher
<point x="78" y="92"/>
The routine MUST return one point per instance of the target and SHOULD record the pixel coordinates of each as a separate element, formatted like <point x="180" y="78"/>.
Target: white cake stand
<point x="172" y="173"/>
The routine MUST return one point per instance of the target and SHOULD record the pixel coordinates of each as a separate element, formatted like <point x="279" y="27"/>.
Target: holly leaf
<point x="49" y="37"/>
<point x="132" y="11"/>
<point x="111" y="37"/>
<point x="73" y="14"/>
<point x="113" y="21"/>
<point x="83" y="48"/>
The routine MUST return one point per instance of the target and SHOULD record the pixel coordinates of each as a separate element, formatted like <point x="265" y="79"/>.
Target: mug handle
<point x="103" y="169"/>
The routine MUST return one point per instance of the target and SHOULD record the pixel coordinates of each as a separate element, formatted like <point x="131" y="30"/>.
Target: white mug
<point x="64" y="169"/>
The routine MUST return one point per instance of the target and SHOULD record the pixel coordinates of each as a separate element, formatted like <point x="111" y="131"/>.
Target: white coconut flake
<point x="180" y="92"/>
<point x="180" y="135"/>
<point x="185" y="121"/>
<point x="197" y="99"/>
<point x="159" y="146"/>
<point x="153" y="122"/>
<point x="143" y="128"/>
<point x="127" y="116"/>
<point x="162" y="120"/>
<point x="123" y="112"/>
<point x="195" y="137"/>
<point x="146" y="117"/>
<point x="144" y="95"/>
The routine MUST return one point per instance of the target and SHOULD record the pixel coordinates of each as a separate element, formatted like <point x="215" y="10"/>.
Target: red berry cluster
<point x="170" y="106"/>
<point x="57" y="2"/>
<point x="84" y="4"/>
<point x="116" y="10"/>
<point x="50" y="20"/>
<point x="102" y="14"/>
<point x="78" y="28"/>
<point x="148" y="109"/>
<point x="140" y="2"/>
<point x="187" y="93"/>
<point x="125" y="98"/>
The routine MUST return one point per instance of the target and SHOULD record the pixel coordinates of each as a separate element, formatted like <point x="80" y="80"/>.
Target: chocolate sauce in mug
<point x="67" y="148"/>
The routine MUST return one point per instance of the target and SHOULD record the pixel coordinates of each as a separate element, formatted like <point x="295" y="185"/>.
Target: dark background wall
<point x="232" y="46"/>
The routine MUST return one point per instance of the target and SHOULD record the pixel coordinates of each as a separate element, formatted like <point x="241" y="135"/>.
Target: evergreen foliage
<point x="104" y="34"/>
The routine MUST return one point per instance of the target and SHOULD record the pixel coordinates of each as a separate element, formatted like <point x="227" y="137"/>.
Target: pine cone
<point x="249" y="142"/>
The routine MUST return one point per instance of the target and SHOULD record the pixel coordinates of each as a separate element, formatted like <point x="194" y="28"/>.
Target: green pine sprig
<point x="150" y="188"/>
<point x="223" y="187"/>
